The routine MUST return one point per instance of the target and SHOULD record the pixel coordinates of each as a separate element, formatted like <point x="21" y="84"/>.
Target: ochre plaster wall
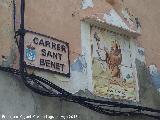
<point x="54" y="18"/>
<point x="6" y="31"/>
<point x="60" y="19"/>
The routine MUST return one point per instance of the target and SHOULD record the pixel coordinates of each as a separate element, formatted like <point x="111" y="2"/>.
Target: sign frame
<point x="48" y="70"/>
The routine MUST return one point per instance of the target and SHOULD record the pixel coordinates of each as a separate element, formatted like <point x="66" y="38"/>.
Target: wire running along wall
<point x="46" y="88"/>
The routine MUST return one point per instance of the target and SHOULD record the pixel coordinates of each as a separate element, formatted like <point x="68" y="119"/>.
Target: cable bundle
<point x="46" y="88"/>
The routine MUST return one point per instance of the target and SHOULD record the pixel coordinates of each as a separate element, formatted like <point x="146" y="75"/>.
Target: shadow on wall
<point x="148" y="95"/>
<point x="155" y="76"/>
<point x="112" y="2"/>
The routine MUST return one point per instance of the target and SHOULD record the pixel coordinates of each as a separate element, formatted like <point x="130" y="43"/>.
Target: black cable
<point x="21" y="38"/>
<point x="78" y="99"/>
<point x="39" y="84"/>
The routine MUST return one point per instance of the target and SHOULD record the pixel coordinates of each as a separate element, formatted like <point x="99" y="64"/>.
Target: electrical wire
<point x="46" y="88"/>
<point x="86" y="102"/>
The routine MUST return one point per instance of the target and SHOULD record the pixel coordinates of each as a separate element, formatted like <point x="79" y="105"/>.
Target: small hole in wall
<point x="10" y="4"/>
<point x="3" y="57"/>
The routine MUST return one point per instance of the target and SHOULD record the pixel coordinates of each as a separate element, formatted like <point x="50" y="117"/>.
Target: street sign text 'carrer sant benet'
<point x="46" y="53"/>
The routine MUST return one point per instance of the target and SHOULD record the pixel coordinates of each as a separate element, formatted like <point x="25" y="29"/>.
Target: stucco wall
<point x="16" y="99"/>
<point x="6" y="33"/>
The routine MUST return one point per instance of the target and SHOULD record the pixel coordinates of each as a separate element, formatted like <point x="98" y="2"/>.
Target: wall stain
<point x="80" y="64"/>
<point x="155" y="76"/>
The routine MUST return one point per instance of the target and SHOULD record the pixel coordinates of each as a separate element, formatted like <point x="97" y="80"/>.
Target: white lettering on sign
<point x="46" y="53"/>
